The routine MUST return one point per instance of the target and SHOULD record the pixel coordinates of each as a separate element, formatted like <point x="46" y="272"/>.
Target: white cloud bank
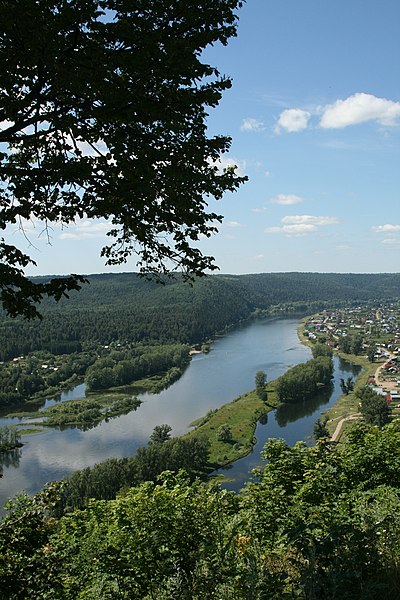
<point x="295" y="225"/>
<point x="286" y="199"/>
<point x="292" y="120"/>
<point x="86" y="229"/>
<point x="252" y="125"/>
<point x="356" y="109"/>
<point x="360" y="108"/>
<point x="388" y="228"/>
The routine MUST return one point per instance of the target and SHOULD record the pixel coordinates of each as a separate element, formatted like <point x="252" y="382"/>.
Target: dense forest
<point x="129" y="308"/>
<point x="319" y="522"/>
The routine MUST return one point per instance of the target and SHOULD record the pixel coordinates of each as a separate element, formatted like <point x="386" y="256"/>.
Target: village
<point x="370" y="331"/>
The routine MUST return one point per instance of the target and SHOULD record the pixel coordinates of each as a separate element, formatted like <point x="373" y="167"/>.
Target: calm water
<point x="210" y="381"/>
<point x="291" y="423"/>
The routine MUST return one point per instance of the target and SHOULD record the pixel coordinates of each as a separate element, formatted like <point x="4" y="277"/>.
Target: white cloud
<point x="391" y="230"/>
<point x="257" y="257"/>
<point x="386" y="228"/>
<point x="356" y="109"/>
<point x="292" y="120"/>
<point x="295" y="225"/>
<point x="359" y="108"/>
<point x="394" y="241"/>
<point x="253" y="125"/>
<point x="310" y="220"/>
<point x="299" y="229"/>
<point x="286" y="199"/>
<point x="86" y="229"/>
<point x="232" y="224"/>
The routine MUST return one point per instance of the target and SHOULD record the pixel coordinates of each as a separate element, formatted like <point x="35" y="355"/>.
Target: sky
<point x="314" y="116"/>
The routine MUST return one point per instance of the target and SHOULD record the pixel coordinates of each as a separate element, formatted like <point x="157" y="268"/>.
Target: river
<point x="210" y="381"/>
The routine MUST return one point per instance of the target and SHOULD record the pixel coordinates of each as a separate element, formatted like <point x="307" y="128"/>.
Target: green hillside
<point x="129" y="308"/>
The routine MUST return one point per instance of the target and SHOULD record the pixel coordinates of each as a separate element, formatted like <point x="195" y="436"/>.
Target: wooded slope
<point x="127" y="307"/>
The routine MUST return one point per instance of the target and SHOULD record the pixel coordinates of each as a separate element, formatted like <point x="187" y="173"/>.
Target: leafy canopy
<point x="103" y="108"/>
<point x="316" y="522"/>
<point x="374" y="408"/>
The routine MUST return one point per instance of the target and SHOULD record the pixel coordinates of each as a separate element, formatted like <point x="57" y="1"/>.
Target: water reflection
<point x="76" y="393"/>
<point x="210" y="381"/>
<point x="263" y="420"/>
<point x="347" y="367"/>
<point x="290" y="422"/>
<point x="289" y="413"/>
<point x="10" y="459"/>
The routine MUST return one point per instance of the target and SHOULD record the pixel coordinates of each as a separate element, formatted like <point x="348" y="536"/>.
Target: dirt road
<point x="338" y="430"/>
<point x="386" y="385"/>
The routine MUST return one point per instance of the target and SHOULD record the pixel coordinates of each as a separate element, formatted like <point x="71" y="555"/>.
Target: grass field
<point x="241" y="415"/>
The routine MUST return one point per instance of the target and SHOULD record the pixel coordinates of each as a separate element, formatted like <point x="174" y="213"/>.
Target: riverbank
<point x="206" y="388"/>
<point x="243" y="413"/>
<point x="345" y="411"/>
<point x="88" y="409"/>
<point x="241" y="416"/>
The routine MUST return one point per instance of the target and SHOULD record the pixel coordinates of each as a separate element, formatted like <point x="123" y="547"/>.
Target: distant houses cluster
<point x="373" y="331"/>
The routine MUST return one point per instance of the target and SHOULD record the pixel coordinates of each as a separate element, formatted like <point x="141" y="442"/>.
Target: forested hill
<point x="127" y="307"/>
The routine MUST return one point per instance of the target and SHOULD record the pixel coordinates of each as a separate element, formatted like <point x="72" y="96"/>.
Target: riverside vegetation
<point x="317" y="522"/>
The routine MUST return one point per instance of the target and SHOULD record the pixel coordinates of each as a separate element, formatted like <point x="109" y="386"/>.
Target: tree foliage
<point x="305" y="380"/>
<point x="106" y="479"/>
<point x="103" y="108"/>
<point x="320" y="429"/>
<point x="261" y="381"/>
<point x="374" y="407"/>
<point x="10" y="438"/>
<point x="224" y="433"/>
<point x="319" y="349"/>
<point x="315" y="522"/>
<point x="160" y="434"/>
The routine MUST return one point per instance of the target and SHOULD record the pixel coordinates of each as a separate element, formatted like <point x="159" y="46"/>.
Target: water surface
<point x="210" y="381"/>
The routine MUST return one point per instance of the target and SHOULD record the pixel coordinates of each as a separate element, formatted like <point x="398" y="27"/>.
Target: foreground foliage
<point x="318" y="522"/>
<point x="374" y="408"/>
<point x="103" y="107"/>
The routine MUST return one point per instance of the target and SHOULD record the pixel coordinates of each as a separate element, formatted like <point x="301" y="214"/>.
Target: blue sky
<point x="314" y="114"/>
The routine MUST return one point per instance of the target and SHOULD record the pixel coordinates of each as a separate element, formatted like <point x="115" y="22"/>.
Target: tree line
<point x="126" y="307"/>
<point x="106" y="479"/>
<point x="304" y="380"/>
<point x="42" y="375"/>
<point x="121" y="367"/>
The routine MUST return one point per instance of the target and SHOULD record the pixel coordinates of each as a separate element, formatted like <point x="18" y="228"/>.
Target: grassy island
<point x="241" y="416"/>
